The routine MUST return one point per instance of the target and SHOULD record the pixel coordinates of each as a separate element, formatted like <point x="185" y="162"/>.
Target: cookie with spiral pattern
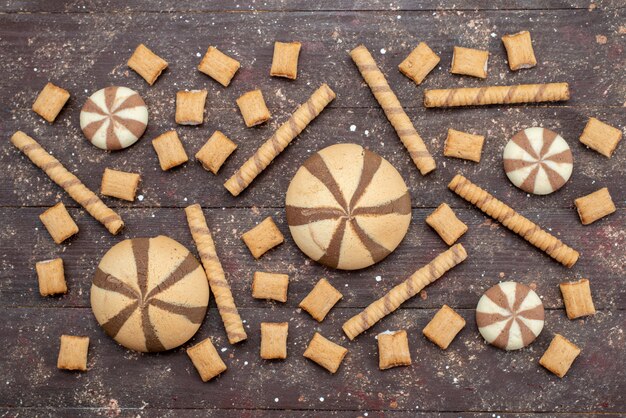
<point x="510" y="315"/>
<point x="149" y="294"/>
<point x="347" y="207"/>
<point x="538" y="161"/>
<point x="114" y="118"/>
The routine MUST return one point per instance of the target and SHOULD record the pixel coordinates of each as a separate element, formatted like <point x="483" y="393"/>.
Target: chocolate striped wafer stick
<point x="508" y="217"/>
<point x="404" y="291"/>
<point x="279" y="141"/>
<point x="488" y="95"/>
<point x="387" y="99"/>
<point x="214" y="272"/>
<point x="68" y="181"/>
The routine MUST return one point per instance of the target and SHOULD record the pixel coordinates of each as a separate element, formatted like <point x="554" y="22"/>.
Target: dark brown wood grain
<point x="83" y="45"/>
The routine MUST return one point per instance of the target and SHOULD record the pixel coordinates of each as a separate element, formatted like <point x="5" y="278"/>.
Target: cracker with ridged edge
<point x="263" y="237"/>
<point x="51" y="277"/>
<point x="463" y="145"/>
<point x="444" y="221"/>
<point x="601" y="137"/>
<point x="50" y="101"/>
<point x="147" y="64"/>
<point x="120" y="184"/>
<point x="285" y="60"/>
<point x="253" y="109"/>
<point x="468" y="61"/>
<point x="190" y="107"/>
<point x="206" y="360"/>
<point x="272" y="286"/>
<point x="559" y="356"/>
<point x="215" y="151"/>
<point x="219" y="66"/>
<point x="444" y="327"/>
<point x="59" y="223"/>
<point x="594" y="206"/>
<point x="274" y="340"/>
<point x="73" y="353"/>
<point x="320" y="300"/>
<point x="393" y="349"/>
<point x="577" y="298"/>
<point x="519" y="50"/>
<point x="170" y="150"/>
<point x="419" y="63"/>
<point x="325" y="353"/>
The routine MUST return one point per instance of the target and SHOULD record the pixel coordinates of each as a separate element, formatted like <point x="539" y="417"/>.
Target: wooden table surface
<point x="83" y="45"/>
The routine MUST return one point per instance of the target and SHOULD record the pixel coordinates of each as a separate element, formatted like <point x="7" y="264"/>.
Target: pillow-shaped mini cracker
<point x="463" y="145"/>
<point x="393" y="350"/>
<point x="444" y="326"/>
<point x="50" y="101"/>
<point x="274" y="340"/>
<point x="601" y="137"/>
<point x="73" y="353"/>
<point x="59" y="223"/>
<point x="320" y="300"/>
<point x="444" y="221"/>
<point x="519" y="50"/>
<point x="206" y="359"/>
<point x="119" y="184"/>
<point x="263" y="237"/>
<point x="253" y="108"/>
<point x="169" y="150"/>
<point x="51" y="276"/>
<point x="577" y="298"/>
<point x="285" y="60"/>
<point x="594" y="206"/>
<point x="190" y="107"/>
<point x="325" y="353"/>
<point x="467" y="61"/>
<point x="270" y="286"/>
<point x="559" y="356"/>
<point x="219" y="66"/>
<point x="215" y="151"/>
<point x="420" y="62"/>
<point x="147" y="64"/>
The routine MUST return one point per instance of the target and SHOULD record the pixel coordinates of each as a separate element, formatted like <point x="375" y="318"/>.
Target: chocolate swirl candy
<point x="347" y="207"/>
<point x="149" y="294"/>
<point x="538" y="161"/>
<point x="114" y="118"/>
<point x="510" y="315"/>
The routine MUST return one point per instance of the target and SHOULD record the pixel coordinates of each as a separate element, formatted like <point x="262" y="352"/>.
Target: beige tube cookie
<point x="404" y="291"/>
<point x="488" y="95"/>
<point x="387" y="99"/>
<point x="279" y="141"/>
<point x="217" y="279"/>
<point x="508" y="217"/>
<point x="68" y="181"/>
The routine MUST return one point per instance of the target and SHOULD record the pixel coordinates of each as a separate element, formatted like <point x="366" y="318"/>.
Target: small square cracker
<point x="51" y="277"/>
<point x="119" y="184"/>
<point x="444" y="327"/>
<point x="263" y="237"/>
<point x="59" y="223"/>
<point x="577" y="298"/>
<point x="601" y="137"/>
<point x="444" y="221"/>
<point x="467" y="61"/>
<point x="206" y="359"/>
<point x="147" y="64"/>
<point x="419" y="63"/>
<point x="219" y="66"/>
<point x="50" y="101"/>
<point x="519" y="50"/>
<point x="325" y="353"/>
<point x="559" y="356"/>
<point x="463" y="145"/>
<point x="274" y="340"/>
<point x="215" y="152"/>
<point x="190" y="107"/>
<point x="73" y="353"/>
<point x="320" y="300"/>
<point x="393" y="350"/>
<point x="253" y="109"/>
<point x="270" y="286"/>
<point x="285" y="59"/>
<point x="170" y="150"/>
<point x="594" y="206"/>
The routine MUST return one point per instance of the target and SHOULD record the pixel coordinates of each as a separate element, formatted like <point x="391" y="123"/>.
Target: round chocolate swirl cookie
<point x="114" y="118"/>
<point x="510" y="315"/>
<point x="149" y="294"/>
<point x="347" y="207"/>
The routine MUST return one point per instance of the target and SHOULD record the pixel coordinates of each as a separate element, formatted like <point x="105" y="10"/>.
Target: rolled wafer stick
<point x="68" y="181"/>
<point x="404" y="291"/>
<point x="286" y="133"/>
<point x="508" y="217"/>
<point x="387" y="99"/>
<point x="217" y="280"/>
<point x="488" y="95"/>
